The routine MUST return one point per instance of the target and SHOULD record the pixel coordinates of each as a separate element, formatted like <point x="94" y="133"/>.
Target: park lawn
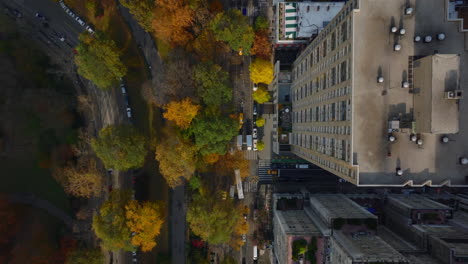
<point x="26" y="177"/>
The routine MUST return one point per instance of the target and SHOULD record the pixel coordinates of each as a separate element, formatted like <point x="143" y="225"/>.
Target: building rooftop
<point x="375" y="104"/>
<point x="333" y="206"/>
<point x="301" y="20"/>
<point x="416" y="201"/>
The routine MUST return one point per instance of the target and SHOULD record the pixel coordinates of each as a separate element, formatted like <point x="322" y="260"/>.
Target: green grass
<point x="26" y="177"/>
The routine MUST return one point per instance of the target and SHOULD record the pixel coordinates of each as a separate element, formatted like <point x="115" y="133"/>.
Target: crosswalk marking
<point x="263" y="167"/>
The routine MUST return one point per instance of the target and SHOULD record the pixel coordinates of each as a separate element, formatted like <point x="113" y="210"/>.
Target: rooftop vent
<point x="405" y="84"/>
<point x="441" y="36"/>
<point x="417" y="39"/>
<point x="463" y="161"/>
<point x="454" y="95"/>
<point x="444" y="139"/>
<point x="402" y="31"/>
<point x="399" y="172"/>
<point x="380" y="79"/>
<point x="413" y="138"/>
<point x="427" y="39"/>
<point x="394" y="29"/>
<point x="391" y="138"/>
<point x="397" y="47"/>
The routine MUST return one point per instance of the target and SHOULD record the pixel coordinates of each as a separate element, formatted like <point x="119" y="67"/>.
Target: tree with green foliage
<point x="261" y="23"/>
<point x="98" y="60"/>
<point x="299" y="247"/>
<point x="213" y="83"/>
<point x="110" y="225"/>
<point x="142" y="11"/>
<point x="120" y="147"/>
<point x="228" y="260"/>
<point x="234" y="29"/>
<point x="85" y="256"/>
<point x="260" y="122"/>
<point x="261" y="95"/>
<point x="211" y="218"/>
<point x="213" y="132"/>
<point x="195" y="183"/>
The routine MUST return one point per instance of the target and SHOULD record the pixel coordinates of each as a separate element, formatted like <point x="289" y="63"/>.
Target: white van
<point x="255" y="252"/>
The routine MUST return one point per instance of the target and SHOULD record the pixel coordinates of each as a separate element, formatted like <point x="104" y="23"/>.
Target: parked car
<point x="38" y="15"/>
<point x="255" y="109"/>
<point x="255" y="87"/>
<point x="255" y="144"/>
<point x="90" y="29"/>
<point x="62" y="38"/>
<point x="81" y="22"/>
<point x="129" y="112"/>
<point x="124" y="90"/>
<point x="127" y="103"/>
<point x="244" y="238"/>
<point x="254" y="132"/>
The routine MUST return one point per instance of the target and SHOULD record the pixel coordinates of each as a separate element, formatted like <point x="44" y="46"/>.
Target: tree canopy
<point x="120" y="147"/>
<point x="98" y="60"/>
<point x="260" y="122"/>
<point x="262" y="46"/>
<point x="172" y="21"/>
<point x="213" y="83"/>
<point x="110" y="225"/>
<point x="261" y="95"/>
<point x="212" y="133"/>
<point x="144" y="221"/>
<point x="261" y="71"/>
<point x="211" y="218"/>
<point x="176" y="158"/>
<point x="261" y="23"/>
<point x="142" y="11"/>
<point x="234" y="29"/>
<point x="181" y="112"/>
<point x="260" y="145"/>
<point x="81" y="180"/>
<point x="85" y="256"/>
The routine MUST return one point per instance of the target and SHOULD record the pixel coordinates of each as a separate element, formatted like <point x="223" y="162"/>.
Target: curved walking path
<point x="34" y="201"/>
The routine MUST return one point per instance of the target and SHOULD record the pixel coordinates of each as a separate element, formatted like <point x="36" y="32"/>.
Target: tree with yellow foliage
<point x="176" y="157"/>
<point x="182" y="112"/>
<point x="261" y="95"/>
<point x="173" y="20"/>
<point x="261" y="71"/>
<point x="229" y="162"/>
<point x="144" y="221"/>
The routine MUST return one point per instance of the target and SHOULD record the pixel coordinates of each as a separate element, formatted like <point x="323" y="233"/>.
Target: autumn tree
<point x="85" y="256"/>
<point x="260" y="145"/>
<point x="172" y="21"/>
<point x="213" y="83"/>
<point x="98" y="60"/>
<point x="207" y="48"/>
<point x="110" y="224"/>
<point x="262" y="46"/>
<point x="181" y="112"/>
<point x="120" y="147"/>
<point x="261" y="71"/>
<point x="81" y="179"/>
<point x="176" y="158"/>
<point x="241" y="227"/>
<point x="234" y="29"/>
<point x="231" y="161"/>
<point x="260" y="122"/>
<point x="144" y="221"/>
<point x="142" y="11"/>
<point x="211" y="218"/>
<point x="261" y="95"/>
<point x="212" y="133"/>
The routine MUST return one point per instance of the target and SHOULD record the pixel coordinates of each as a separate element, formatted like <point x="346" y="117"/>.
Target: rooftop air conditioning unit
<point x="454" y="95"/>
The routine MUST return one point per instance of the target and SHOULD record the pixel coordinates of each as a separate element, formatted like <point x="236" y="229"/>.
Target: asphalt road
<point x="178" y="204"/>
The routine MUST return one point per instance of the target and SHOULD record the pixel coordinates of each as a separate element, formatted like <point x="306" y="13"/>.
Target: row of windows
<point x="337" y="111"/>
<point x="325" y="162"/>
<point x="336" y="130"/>
<point x="337" y="148"/>
<point x="335" y="75"/>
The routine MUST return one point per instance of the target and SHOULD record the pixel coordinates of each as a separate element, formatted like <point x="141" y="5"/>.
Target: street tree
<point x="212" y="218"/>
<point x="120" y="147"/>
<point x="85" y="256"/>
<point x="142" y="11"/>
<point x="181" y="112"/>
<point x="176" y="157"/>
<point x="260" y="145"/>
<point x="261" y="23"/>
<point x="260" y="122"/>
<point x="98" y="60"/>
<point x="110" y="224"/>
<point x="229" y="162"/>
<point x="213" y="83"/>
<point x="212" y="133"/>
<point x="262" y="46"/>
<point x="261" y="71"/>
<point x="261" y="95"/>
<point x="144" y="221"/>
<point x="234" y="29"/>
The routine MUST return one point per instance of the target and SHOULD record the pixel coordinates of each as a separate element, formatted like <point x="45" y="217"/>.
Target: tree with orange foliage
<point x="172" y="21"/>
<point x="262" y="46"/>
<point x="211" y="158"/>
<point x="229" y="162"/>
<point x="181" y="112"/>
<point x="145" y="221"/>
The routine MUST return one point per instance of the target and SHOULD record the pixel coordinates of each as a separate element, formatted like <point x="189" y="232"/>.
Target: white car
<point x="254" y="144"/>
<point x="255" y="87"/>
<point x="254" y="133"/>
<point x="90" y="29"/>
<point x="124" y="90"/>
<point x="129" y="112"/>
